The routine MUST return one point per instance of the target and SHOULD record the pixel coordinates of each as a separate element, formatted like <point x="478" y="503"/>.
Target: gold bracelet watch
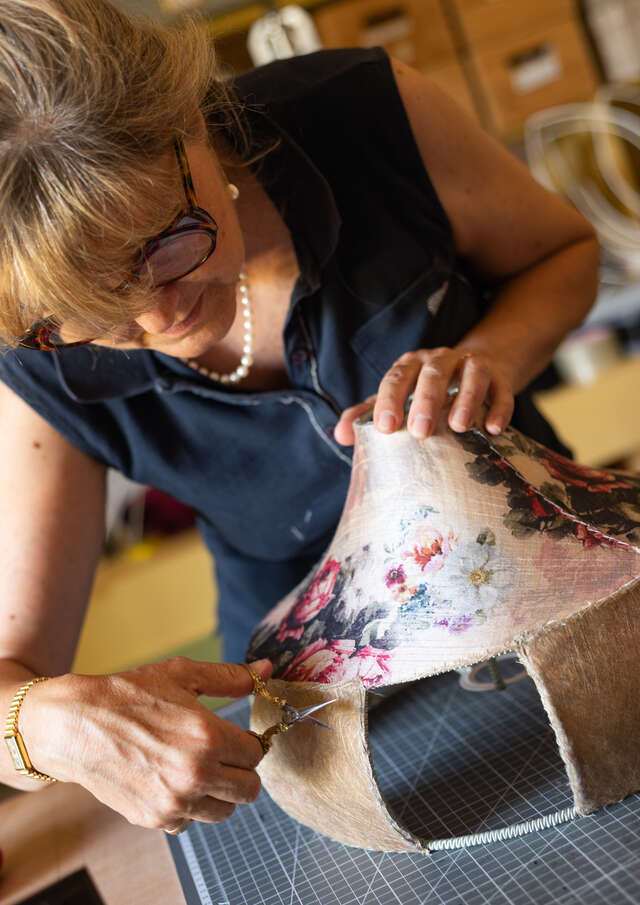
<point x="15" y="742"/>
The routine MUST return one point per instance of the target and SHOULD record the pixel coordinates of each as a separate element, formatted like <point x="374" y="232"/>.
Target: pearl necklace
<point x="247" y="350"/>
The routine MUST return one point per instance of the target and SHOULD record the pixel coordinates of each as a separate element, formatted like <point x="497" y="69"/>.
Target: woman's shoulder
<point x="66" y="389"/>
<point x="339" y="106"/>
<point x="314" y="74"/>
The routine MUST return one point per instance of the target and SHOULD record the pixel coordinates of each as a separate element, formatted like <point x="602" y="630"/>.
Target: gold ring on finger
<point x="178" y="828"/>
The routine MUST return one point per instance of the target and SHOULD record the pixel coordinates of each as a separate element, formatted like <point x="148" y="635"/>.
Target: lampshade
<point x="449" y="551"/>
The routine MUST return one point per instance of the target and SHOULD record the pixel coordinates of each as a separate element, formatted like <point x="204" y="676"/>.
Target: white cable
<point x="507" y="832"/>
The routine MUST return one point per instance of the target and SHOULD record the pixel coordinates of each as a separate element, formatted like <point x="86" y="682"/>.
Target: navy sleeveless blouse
<point x="379" y="277"/>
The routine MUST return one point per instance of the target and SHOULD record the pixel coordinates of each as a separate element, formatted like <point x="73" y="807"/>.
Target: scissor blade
<point x="309" y="710"/>
<point x="312" y="719"/>
<point x="306" y="713"/>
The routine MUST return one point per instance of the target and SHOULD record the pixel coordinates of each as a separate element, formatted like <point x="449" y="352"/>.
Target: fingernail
<point x="260" y="663"/>
<point x="495" y="427"/>
<point x="420" y="426"/>
<point x="460" y="420"/>
<point x="387" y="422"/>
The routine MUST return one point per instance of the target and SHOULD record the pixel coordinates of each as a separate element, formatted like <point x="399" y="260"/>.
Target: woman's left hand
<point x="428" y="373"/>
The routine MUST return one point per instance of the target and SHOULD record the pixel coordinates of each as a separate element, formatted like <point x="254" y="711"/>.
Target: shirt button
<point x="299" y="356"/>
<point x="162" y="384"/>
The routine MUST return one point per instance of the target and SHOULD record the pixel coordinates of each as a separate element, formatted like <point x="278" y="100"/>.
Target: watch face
<point x="16" y="753"/>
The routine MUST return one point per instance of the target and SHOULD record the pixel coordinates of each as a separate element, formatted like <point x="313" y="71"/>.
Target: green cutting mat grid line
<point x="449" y="762"/>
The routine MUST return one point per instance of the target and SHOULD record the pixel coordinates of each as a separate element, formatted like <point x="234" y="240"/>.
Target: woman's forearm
<point x="533" y="312"/>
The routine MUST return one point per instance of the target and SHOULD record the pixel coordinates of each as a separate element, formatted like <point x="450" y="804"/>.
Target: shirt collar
<point x="96" y="373"/>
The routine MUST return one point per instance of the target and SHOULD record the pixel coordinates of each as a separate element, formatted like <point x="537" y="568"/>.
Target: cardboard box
<point x="522" y="75"/>
<point x="482" y="22"/>
<point x="413" y="31"/>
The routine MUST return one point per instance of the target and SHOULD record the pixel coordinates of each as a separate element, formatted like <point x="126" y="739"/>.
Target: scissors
<point x="291" y="715"/>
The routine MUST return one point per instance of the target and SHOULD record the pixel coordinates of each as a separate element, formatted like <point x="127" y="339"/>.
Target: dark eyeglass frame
<point x="191" y="219"/>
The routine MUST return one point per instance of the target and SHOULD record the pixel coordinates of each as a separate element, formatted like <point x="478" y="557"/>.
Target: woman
<point x="223" y="296"/>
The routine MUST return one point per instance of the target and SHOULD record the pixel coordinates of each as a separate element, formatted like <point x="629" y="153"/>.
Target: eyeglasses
<point x="185" y="245"/>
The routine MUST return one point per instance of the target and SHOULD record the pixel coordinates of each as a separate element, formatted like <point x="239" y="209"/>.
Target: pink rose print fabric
<point x="339" y="660"/>
<point x="315" y="598"/>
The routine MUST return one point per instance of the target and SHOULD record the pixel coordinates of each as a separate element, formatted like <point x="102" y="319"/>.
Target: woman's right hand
<point x="142" y="743"/>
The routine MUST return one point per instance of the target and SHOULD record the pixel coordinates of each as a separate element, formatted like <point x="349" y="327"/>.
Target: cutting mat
<point x="449" y="762"/>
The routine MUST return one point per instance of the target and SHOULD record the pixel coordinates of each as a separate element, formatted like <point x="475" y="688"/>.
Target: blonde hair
<point x="90" y="101"/>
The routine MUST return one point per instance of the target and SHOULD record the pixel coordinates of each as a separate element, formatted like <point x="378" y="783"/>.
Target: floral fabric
<point x="449" y="550"/>
<point x="544" y="485"/>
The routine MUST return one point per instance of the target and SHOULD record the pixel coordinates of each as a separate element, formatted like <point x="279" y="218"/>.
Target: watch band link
<point x="14" y="740"/>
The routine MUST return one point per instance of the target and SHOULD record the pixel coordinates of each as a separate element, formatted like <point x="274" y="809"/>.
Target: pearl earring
<point x="234" y="191"/>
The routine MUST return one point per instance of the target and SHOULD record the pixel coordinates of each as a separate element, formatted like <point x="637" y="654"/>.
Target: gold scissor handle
<point x="260" y="688"/>
<point x="265" y="737"/>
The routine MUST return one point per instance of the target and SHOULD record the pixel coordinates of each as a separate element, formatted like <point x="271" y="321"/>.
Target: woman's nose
<point x="164" y="314"/>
